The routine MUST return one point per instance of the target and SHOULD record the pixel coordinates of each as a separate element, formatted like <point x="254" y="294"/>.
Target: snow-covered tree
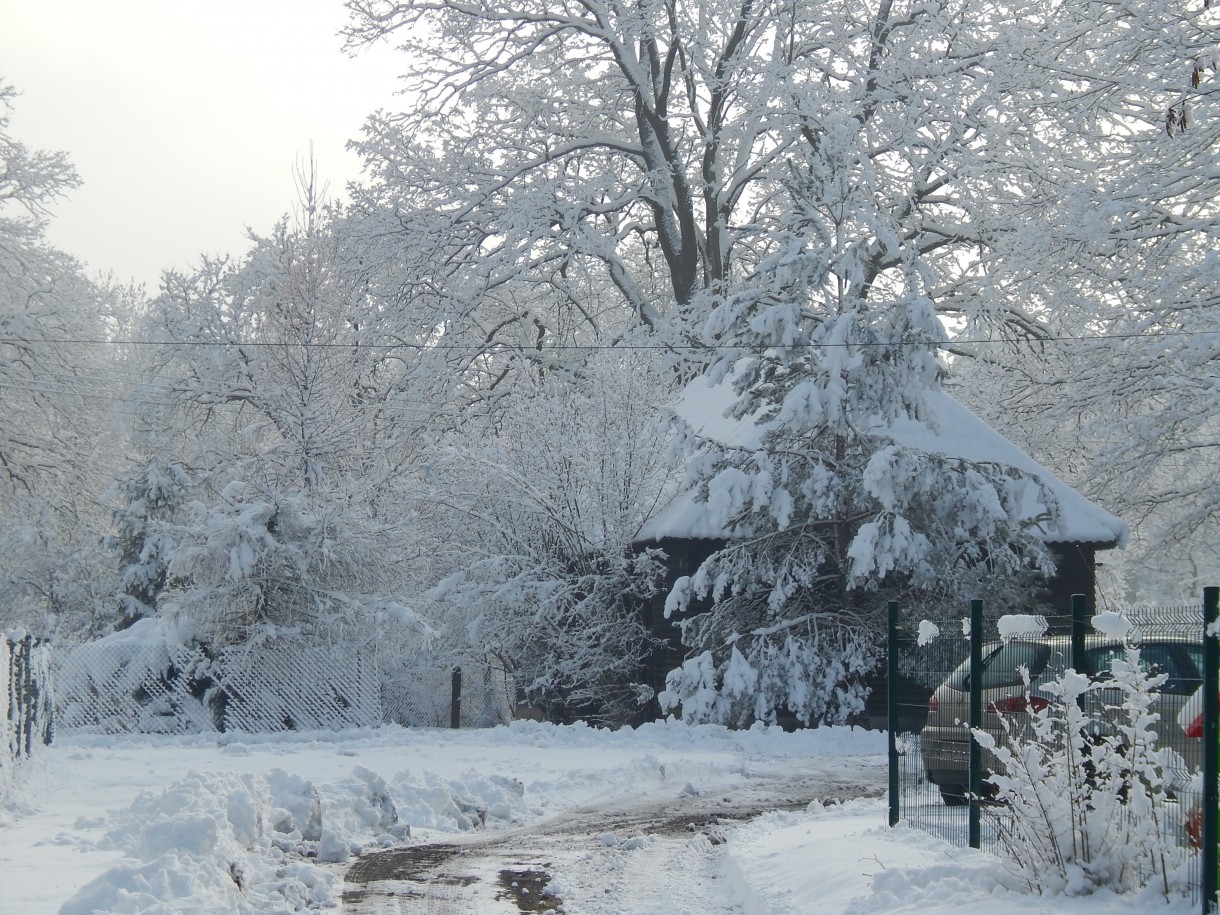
<point x="567" y="169"/>
<point x="145" y="506"/>
<point x="292" y="410"/>
<point x="904" y="184"/>
<point x="42" y="297"/>
<point x="55" y="429"/>
<point x="544" y="512"/>
<point x="831" y="507"/>
<point x="255" y="565"/>
<point x="800" y="195"/>
<point x="1118" y="390"/>
<point x="570" y="171"/>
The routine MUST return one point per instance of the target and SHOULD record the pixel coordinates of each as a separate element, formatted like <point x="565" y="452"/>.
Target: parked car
<point x="945" y="741"/>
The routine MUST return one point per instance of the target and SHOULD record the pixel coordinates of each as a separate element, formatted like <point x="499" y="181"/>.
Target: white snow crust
<point x="1111" y="624"/>
<point x="1018" y="625"/>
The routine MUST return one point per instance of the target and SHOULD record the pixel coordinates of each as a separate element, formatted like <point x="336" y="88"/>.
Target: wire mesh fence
<point x="117" y="686"/>
<point x="470" y="696"/>
<point x="927" y="654"/>
<point x="939" y="775"/>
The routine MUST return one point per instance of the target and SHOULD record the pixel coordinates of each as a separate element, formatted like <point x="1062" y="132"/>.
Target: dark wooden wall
<point x="1075" y="574"/>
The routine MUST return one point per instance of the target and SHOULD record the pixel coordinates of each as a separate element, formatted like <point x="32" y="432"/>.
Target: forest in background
<point x="436" y="408"/>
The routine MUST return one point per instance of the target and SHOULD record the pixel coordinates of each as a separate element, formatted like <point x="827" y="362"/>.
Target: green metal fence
<point x="938" y="776"/>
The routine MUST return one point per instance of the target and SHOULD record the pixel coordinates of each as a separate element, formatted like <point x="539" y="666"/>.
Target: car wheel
<point x="954" y="795"/>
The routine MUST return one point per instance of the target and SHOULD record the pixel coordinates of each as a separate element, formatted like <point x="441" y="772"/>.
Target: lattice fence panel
<point x="115" y="686"/>
<point x="290" y="687"/>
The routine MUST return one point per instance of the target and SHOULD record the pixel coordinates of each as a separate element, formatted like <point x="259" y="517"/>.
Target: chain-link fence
<point x="118" y="686"/>
<point x="938" y="775"/>
<point x="470" y="696"/>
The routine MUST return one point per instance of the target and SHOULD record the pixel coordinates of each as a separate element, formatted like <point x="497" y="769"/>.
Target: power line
<point x="579" y="347"/>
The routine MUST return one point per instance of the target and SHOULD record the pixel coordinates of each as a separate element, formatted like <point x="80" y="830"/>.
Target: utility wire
<point x="942" y="344"/>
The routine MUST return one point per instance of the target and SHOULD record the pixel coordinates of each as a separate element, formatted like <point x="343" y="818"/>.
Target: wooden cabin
<point x="687" y="532"/>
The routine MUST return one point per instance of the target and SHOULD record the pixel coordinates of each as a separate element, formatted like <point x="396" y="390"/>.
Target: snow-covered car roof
<point x="949" y="429"/>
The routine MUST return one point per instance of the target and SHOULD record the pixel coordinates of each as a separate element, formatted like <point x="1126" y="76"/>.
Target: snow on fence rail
<point x="117" y="686"/>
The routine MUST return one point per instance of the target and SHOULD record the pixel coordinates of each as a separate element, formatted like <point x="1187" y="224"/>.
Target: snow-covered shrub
<point x="261" y="564"/>
<point x="544" y="512"/>
<point x="567" y="629"/>
<point x="1084" y="790"/>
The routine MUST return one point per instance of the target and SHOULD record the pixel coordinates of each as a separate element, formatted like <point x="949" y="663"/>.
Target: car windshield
<point x="1181" y="673"/>
<point x="1002" y="665"/>
<point x="1195" y="653"/>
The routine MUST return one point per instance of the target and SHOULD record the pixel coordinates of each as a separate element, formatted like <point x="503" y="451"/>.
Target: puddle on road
<point x="413" y="873"/>
<point x="420" y="874"/>
<point x="416" y="862"/>
<point x="527" y="889"/>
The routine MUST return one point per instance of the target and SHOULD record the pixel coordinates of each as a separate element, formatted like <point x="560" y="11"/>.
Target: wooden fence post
<point x="13" y="736"/>
<point x="29" y="694"/>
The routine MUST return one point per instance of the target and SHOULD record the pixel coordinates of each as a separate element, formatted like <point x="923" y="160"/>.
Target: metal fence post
<point x="455" y="700"/>
<point x="46" y="699"/>
<point x="1080" y="622"/>
<point x="16" y="693"/>
<point x="1211" y="749"/>
<point x="976" y="720"/>
<point x="891" y="705"/>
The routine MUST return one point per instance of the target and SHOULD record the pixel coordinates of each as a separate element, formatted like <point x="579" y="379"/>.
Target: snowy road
<point x="271" y="825"/>
<point x="656" y="855"/>
<point x="260" y="824"/>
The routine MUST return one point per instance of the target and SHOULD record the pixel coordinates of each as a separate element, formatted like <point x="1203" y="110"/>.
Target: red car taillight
<point x="1017" y="704"/>
<point x="933" y="705"/>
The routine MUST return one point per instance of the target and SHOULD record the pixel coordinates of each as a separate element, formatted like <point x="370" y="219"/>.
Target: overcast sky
<point x="184" y="118"/>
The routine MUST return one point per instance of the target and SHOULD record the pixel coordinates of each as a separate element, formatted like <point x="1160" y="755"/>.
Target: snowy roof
<point x="950" y="430"/>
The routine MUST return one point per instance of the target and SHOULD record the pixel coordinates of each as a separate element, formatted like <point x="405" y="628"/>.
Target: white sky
<point x="185" y="118"/>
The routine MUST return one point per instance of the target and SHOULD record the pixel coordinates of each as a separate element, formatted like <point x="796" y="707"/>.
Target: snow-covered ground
<point x="267" y="824"/>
